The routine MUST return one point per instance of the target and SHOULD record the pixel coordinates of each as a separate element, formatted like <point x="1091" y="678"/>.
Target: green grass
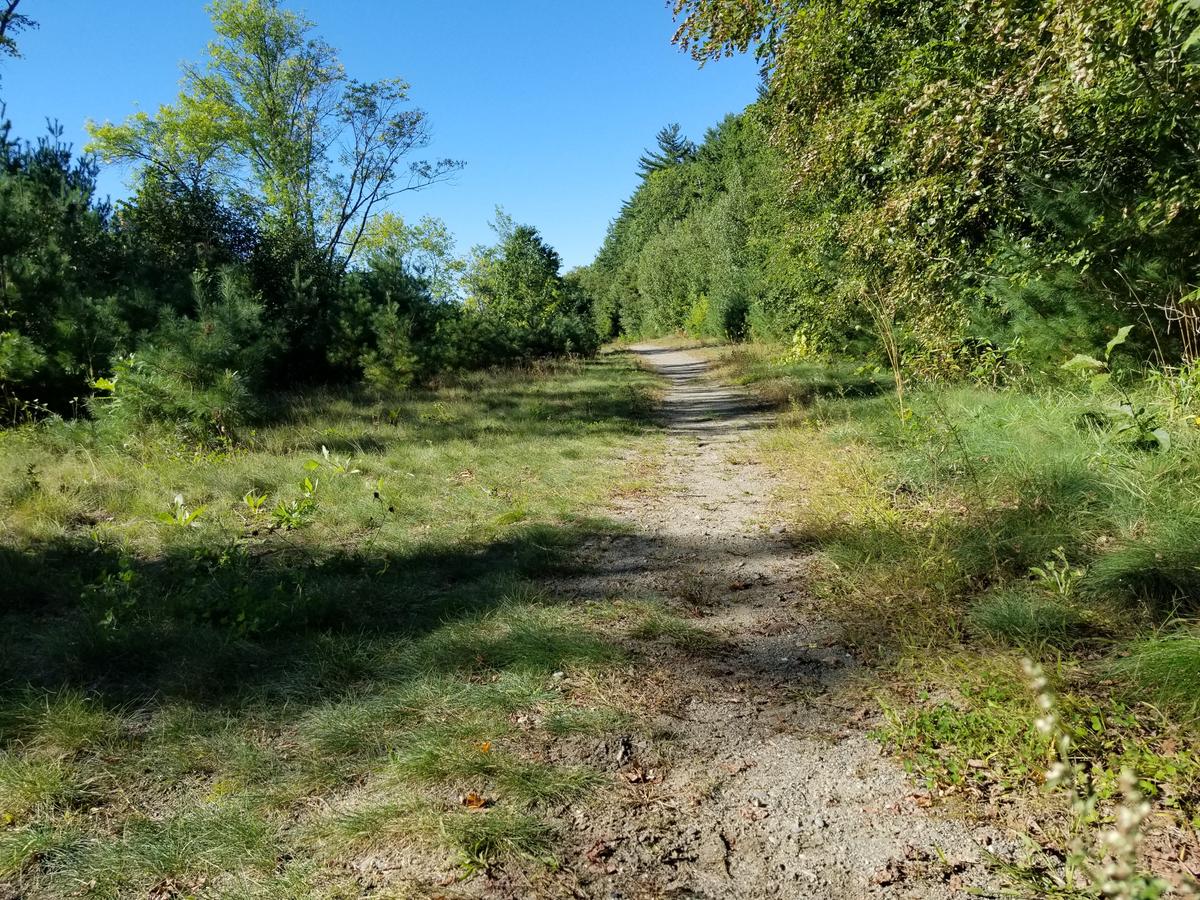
<point x="1027" y="619"/>
<point x="236" y="704"/>
<point x="984" y="525"/>
<point x="658" y="624"/>
<point x="1165" y="668"/>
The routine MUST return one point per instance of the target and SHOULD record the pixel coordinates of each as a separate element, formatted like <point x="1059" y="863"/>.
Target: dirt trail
<point x="761" y="779"/>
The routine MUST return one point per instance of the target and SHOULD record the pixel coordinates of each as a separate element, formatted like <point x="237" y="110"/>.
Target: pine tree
<point x="673" y="149"/>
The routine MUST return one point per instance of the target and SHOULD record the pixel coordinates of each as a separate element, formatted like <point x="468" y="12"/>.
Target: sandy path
<point x="762" y="778"/>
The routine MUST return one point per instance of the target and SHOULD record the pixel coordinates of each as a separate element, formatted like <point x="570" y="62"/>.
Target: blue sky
<point x="549" y="103"/>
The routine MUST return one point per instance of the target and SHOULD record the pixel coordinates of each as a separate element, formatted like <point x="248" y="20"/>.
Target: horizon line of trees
<point x="255" y="252"/>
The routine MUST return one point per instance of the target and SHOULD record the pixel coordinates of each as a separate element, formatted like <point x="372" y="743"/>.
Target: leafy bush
<point x="196" y="374"/>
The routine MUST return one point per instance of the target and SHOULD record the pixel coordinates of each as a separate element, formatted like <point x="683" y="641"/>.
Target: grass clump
<point x="205" y="842"/>
<point x="452" y="754"/>
<point x="1026" y="618"/>
<point x="1164" y="668"/>
<point x="478" y="839"/>
<point x="481" y="838"/>
<point x="659" y="624"/>
<point x="33" y="787"/>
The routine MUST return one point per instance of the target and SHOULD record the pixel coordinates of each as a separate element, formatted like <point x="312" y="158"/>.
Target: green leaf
<point x="1193" y="40"/>
<point x="1164" y="439"/>
<point x="1122" y="334"/>
<point x="1081" y="361"/>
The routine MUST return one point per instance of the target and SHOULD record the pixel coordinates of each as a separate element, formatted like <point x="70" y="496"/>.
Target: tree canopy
<point x="271" y="117"/>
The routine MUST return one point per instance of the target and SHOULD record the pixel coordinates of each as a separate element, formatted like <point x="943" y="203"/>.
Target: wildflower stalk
<point x="1104" y="864"/>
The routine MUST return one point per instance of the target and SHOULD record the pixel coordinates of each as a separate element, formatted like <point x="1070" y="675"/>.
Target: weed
<point x="1128" y="417"/>
<point x="1103" y="864"/>
<point x="297" y="513"/>
<point x="179" y="515"/>
<point x="1057" y="575"/>
<point x="254" y="502"/>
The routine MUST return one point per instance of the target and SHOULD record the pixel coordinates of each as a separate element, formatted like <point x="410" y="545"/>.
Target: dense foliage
<point x="255" y="253"/>
<point x="989" y="175"/>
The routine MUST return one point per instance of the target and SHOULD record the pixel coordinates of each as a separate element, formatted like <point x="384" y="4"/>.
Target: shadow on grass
<point x="783" y="385"/>
<point x="277" y="629"/>
<point x="901" y="583"/>
<point x="510" y="405"/>
<point x="224" y="625"/>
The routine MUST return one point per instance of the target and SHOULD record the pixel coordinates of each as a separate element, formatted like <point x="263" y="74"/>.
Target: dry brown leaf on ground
<point x="601" y="851"/>
<point x="473" y="800"/>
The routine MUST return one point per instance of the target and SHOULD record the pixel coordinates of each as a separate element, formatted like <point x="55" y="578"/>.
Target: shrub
<point x="199" y="374"/>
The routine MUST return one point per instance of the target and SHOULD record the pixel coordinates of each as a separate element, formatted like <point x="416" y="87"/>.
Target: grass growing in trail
<point x="984" y="525"/>
<point x="329" y="642"/>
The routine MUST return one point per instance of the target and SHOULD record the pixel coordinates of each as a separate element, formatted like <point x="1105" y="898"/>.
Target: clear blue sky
<point x="549" y="103"/>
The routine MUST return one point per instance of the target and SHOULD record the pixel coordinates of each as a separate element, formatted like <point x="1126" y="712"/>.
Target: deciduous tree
<point x="271" y="118"/>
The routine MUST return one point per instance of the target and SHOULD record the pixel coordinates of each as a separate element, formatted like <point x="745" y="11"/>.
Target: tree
<point x="425" y="250"/>
<point x="710" y="29"/>
<point x="518" y="280"/>
<point x="12" y="22"/>
<point x="271" y="119"/>
<point x="59" y="269"/>
<point x="673" y="149"/>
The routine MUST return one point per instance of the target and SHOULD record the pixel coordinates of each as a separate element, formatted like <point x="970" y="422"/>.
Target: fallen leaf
<point x="890" y="874"/>
<point x="753" y="813"/>
<point x="485" y="747"/>
<point x="472" y="800"/>
<point x="600" y="851"/>
<point x="737" y="767"/>
<point x="637" y="775"/>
